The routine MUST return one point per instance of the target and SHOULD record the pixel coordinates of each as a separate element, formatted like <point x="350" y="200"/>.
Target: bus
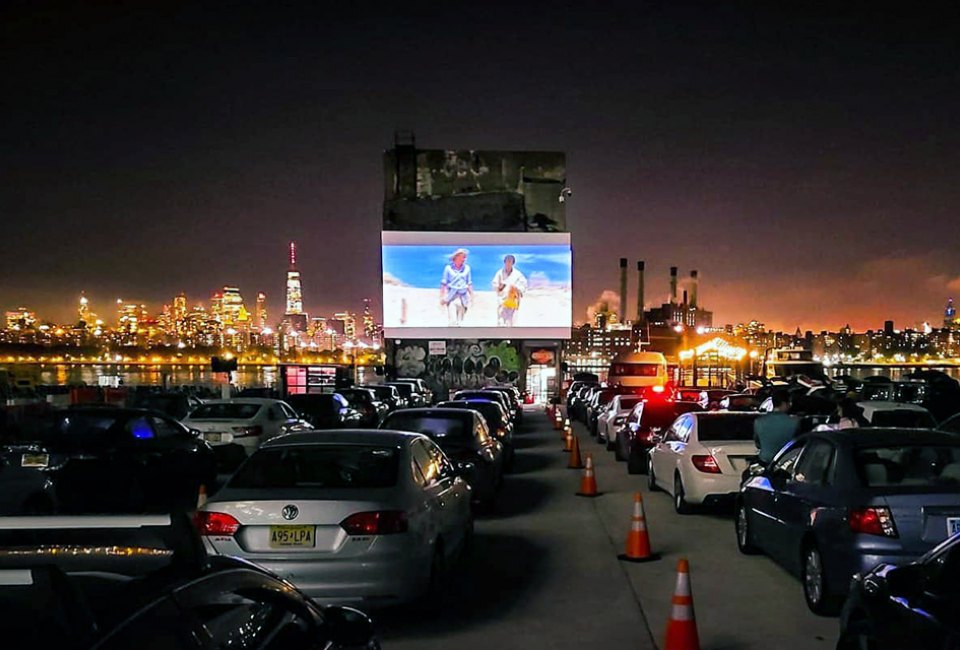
<point x="638" y="369"/>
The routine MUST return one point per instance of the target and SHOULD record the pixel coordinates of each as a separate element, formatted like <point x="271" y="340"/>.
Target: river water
<point x="137" y="375"/>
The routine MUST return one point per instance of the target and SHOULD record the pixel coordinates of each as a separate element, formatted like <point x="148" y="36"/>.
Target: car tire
<point x="857" y="636"/>
<point x="813" y="579"/>
<point x="741" y="524"/>
<point x="637" y="463"/>
<point x="651" y="479"/>
<point x="680" y="504"/>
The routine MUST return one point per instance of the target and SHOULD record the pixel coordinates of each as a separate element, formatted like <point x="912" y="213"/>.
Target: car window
<point x="907" y="418"/>
<point x="684" y="426"/>
<point x="165" y="428"/>
<point x="434" y="425"/>
<point x="815" y="464"/>
<point x="440" y="460"/>
<point x="160" y="627"/>
<point x="909" y="466"/>
<point x="319" y="466"/>
<point x="483" y="431"/>
<point x="288" y="412"/>
<point x="226" y="411"/>
<point x="139" y="428"/>
<point x="788" y="460"/>
<point x="425" y="461"/>
<point x="728" y="427"/>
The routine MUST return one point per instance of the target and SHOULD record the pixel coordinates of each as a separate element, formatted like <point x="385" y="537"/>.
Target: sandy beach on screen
<point x="413" y="307"/>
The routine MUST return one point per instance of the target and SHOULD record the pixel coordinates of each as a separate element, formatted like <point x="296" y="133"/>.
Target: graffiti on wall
<point x="467" y="364"/>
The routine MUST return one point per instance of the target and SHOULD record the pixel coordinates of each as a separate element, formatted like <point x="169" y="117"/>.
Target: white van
<point x="638" y="369"/>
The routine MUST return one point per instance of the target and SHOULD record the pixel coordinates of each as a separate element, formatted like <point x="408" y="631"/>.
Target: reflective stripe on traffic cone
<point x="638" y="539"/>
<point x="588" y="482"/>
<point x="682" y="626"/>
<point x="575" y="462"/>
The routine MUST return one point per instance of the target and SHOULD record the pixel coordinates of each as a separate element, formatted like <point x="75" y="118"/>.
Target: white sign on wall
<point x="437" y="348"/>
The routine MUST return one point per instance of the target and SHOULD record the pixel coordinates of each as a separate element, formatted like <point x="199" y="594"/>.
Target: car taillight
<point x="215" y="523"/>
<point x="385" y="522"/>
<point x="242" y="432"/>
<point x="707" y="464"/>
<point x="657" y="389"/>
<point x="501" y="432"/>
<point x="872" y="521"/>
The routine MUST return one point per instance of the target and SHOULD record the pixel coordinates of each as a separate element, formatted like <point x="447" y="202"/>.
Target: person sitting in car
<point x="772" y="431"/>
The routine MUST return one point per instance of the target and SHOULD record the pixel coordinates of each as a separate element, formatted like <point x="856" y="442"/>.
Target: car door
<point x="178" y="469"/>
<point x="802" y="496"/>
<point x="455" y="500"/>
<point x="158" y="626"/>
<point x="291" y="420"/>
<point x="757" y="494"/>
<point x="435" y="491"/>
<point x="676" y="448"/>
<point x="774" y="520"/>
<point x="662" y="457"/>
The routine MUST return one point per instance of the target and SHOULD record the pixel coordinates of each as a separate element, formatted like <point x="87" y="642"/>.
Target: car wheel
<point x="637" y="462"/>
<point x="819" y="600"/>
<point x="651" y="479"/>
<point x="744" y="534"/>
<point x="679" y="497"/>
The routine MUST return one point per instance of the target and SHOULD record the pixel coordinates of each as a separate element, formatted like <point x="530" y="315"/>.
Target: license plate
<point x="282" y="536"/>
<point x="953" y="526"/>
<point x="34" y="460"/>
<point x="212" y="437"/>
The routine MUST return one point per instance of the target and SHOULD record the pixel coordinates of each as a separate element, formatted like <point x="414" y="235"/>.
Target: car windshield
<point x="909" y="466"/>
<point x="436" y="426"/>
<point x="319" y="466"/>
<point x="726" y="427"/>
<point x="226" y="411"/>
<point x="903" y="418"/>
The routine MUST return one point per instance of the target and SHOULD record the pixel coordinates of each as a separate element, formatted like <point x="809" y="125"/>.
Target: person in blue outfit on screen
<point x="510" y="285"/>
<point x="456" y="287"/>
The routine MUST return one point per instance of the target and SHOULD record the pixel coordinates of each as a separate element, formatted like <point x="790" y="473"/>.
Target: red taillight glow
<point x="215" y="523"/>
<point x="658" y="389"/>
<point x="375" y="523"/>
<point x="241" y="432"/>
<point x="707" y="464"/>
<point x="872" y="521"/>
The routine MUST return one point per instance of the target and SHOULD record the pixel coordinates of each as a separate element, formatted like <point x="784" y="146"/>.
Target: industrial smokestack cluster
<point x="673" y="285"/>
<point x="689" y="297"/>
<point x="623" y="289"/>
<point x="694" y="288"/>
<point x="640" y="266"/>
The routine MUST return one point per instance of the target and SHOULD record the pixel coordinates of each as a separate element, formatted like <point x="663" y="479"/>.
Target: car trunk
<point x="732" y="457"/>
<point x="923" y="520"/>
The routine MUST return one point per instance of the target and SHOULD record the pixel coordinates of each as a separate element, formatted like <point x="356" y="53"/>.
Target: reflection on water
<point x="893" y="373"/>
<point x="134" y="375"/>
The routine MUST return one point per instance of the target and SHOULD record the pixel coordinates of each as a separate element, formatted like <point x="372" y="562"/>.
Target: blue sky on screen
<point x="422" y="266"/>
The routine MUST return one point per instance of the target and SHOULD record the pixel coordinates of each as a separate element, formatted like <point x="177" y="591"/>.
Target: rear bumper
<point x="708" y="489"/>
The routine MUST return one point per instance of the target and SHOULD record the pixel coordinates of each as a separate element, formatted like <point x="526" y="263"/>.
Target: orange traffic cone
<point x="588" y="482"/>
<point x="558" y="421"/>
<point x="638" y="539"/>
<point x="567" y="440"/>
<point x="202" y="496"/>
<point x="575" y="462"/>
<point x="682" y="626"/>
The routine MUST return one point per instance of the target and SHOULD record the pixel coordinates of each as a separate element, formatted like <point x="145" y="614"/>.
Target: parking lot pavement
<point x="741" y="602"/>
<point x="542" y="574"/>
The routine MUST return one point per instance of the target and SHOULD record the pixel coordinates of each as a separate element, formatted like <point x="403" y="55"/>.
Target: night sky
<point x="806" y="163"/>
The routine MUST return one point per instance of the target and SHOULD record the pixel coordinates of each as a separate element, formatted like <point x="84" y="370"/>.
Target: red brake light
<point x="706" y="464"/>
<point x="242" y="432"/>
<point x="375" y="523"/>
<point x="872" y="521"/>
<point x="215" y="523"/>
<point x="658" y="389"/>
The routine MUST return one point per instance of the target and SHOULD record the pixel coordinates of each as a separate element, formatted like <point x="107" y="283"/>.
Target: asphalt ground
<point x="544" y="573"/>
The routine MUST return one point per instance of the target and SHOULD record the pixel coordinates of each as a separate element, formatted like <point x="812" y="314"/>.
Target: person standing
<point x="456" y="287"/>
<point x="775" y="429"/>
<point x="510" y="285"/>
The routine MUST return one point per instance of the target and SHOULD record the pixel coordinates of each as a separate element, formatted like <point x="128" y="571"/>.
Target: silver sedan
<point x="352" y="516"/>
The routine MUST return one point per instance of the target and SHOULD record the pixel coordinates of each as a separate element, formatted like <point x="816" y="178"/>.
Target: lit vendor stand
<point x="312" y="379"/>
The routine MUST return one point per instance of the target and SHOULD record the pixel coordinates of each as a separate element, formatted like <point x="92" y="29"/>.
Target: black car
<point x="410" y="396"/>
<point x="513" y="395"/>
<point x="326" y="411"/>
<point x="372" y="411"/>
<point x="910" y="606"/>
<point x="638" y="434"/>
<point x="389" y="395"/>
<point x="173" y="403"/>
<point x="488" y="395"/>
<point x="419" y="387"/>
<point x="496" y="418"/>
<point x="162" y="593"/>
<point x="106" y="459"/>
<point x="465" y="438"/>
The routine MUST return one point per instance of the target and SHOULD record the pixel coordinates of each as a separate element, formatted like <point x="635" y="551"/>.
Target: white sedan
<point x="614" y="416"/>
<point x="245" y="422"/>
<point x="702" y="456"/>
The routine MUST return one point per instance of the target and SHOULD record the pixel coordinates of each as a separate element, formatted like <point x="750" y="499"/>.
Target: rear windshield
<point x="635" y="369"/>
<point x="627" y="403"/>
<point x="726" y="427"/>
<point x="404" y="389"/>
<point x="435" y="426"/>
<point x="489" y="410"/>
<point x="318" y="404"/>
<point x="909" y="466"/>
<point x="903" y="418"/>
<point x="383" y="391"/>
<point x="320" y="466"/>
<point x="237" y="411"/>
<point x="656" y="415"/>
<point x="357" y="396"/>
<point x="80" y="427"/>
<point x="879" y="392"/>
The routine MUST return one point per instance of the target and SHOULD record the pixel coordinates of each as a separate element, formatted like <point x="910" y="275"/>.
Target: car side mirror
<point x="348" y="627"/>
<point x="906" y="581"/>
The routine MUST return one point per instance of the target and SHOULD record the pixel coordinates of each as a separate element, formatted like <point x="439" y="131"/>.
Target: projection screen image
<point x="477" y="285"/>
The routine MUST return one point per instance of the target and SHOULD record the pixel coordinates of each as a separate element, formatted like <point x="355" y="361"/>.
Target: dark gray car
<point x="836" y="503"/>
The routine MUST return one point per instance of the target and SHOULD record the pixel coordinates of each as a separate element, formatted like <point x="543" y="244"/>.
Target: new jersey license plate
<point x="34" y="460"/>
<point x="284" y="536"/>
<point x="953" y="526"/>
<point x="212" y="437"/>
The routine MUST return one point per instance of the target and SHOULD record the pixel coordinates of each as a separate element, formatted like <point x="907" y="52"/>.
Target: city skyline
<point x="800" y="157"/>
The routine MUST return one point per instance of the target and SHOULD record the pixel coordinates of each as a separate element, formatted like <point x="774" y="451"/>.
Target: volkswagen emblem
<point x="290" y="512"/>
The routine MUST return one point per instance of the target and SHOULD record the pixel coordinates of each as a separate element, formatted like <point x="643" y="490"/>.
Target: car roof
<point x="725" y="414"/>
<point x="243" y="400"/>
<point x="879" y="405"/>
<point x="115" y="411"/>
<point x="435" y="411"/>
<point x="879" y="437"/>
<point x="342" y="436"/>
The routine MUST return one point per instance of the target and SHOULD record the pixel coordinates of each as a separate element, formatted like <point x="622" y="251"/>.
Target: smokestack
<point x="623" y="289"/>
<point x="673" y="285"/>
<point x="640" y="291"/>
<point x="684" y="297"/>
<point x="694" y="288"/>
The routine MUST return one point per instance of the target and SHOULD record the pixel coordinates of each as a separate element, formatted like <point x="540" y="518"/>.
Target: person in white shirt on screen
<point x="456" y="287"/>
<point x="510" y="286"/>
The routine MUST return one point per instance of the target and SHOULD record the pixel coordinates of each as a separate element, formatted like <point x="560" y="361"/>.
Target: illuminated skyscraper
<point x="950" y="315"/>
<point x="180" y="312"/>
<point x="233" y="313"/>
<point x="83" y="311"/>
<point x="294" y="288"/>
<point x="349" y="324"/>
<point x="369" y="326"/>
<point x="260" y="321"/>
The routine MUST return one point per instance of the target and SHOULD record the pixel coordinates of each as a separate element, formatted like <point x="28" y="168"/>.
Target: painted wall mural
<point x="467" y="364"/>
